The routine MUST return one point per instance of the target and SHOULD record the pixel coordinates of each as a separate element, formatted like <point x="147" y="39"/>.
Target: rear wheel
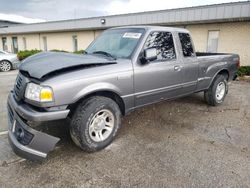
<point x="217" y="92"/>
<point x="95" y="123"/>
<point x="5" y="66"/>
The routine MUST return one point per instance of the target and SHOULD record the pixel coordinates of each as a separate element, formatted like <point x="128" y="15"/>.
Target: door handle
<point x="177" y="68"/>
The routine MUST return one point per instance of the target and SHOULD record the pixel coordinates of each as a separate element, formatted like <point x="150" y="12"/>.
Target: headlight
<point x="38" y="93"/>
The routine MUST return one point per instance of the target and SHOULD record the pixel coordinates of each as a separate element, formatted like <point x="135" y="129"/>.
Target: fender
<point x="100" y="86"/>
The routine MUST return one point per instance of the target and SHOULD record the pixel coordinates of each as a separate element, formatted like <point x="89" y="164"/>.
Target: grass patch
<point x="244" y="71"/>
<point x="26" y="53"/>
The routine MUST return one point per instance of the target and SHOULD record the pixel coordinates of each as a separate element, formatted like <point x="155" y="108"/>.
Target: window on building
<point x="212" y="41"/>
<point x="75" y="44"/>
<point x="4" y="44"/>
<point x="164" y="44"/>
<point x="45" y="44"/>
<point x="186" y="44"/>
<point x="14" y="45"/>
<point x="24" y="43"/>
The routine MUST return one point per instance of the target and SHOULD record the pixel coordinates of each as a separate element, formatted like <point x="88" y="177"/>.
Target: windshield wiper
<point x="104" y="53"/>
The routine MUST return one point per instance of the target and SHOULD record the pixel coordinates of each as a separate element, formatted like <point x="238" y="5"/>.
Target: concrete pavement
<point x="181" y="143"/>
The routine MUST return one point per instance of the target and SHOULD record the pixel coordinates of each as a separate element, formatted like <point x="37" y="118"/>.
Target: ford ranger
<point x="123" y="69"/>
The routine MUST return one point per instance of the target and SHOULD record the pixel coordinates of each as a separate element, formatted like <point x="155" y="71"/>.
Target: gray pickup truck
<point x="123" y="69"/>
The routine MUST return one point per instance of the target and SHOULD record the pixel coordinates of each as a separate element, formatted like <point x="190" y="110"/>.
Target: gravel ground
<point x="181" y="143"/>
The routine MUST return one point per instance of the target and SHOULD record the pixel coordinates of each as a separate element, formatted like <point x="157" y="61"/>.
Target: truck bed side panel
<point x="210" y="66"/>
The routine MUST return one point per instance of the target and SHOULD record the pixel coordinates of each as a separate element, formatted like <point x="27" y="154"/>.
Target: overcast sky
<point x="70" y="9"/>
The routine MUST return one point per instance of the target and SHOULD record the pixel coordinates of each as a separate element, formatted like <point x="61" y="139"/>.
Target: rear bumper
<point x="25" y="141"/>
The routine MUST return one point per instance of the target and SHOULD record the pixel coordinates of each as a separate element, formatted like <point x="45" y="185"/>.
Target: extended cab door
<point x="189" y="63"/>
<point x="161" y="78"/>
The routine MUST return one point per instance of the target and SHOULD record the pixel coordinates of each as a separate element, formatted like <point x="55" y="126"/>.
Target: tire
<point x="90" y="129"/>
<point x="217" y="92"/>
<point x="5" y="66"/>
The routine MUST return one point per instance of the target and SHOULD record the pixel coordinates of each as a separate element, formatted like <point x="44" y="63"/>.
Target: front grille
<point x="19" y="87"/>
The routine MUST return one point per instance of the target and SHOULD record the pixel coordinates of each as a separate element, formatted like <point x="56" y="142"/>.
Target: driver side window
<point x="164" y="44"/>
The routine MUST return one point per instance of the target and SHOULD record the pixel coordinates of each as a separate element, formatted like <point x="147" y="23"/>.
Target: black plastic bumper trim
<point x="40" y="145"/>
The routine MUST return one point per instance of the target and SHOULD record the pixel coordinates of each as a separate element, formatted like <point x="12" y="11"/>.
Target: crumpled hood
<point x="42" y="64"/>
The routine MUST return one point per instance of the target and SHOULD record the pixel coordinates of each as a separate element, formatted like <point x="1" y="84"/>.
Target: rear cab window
<point x="186" y="45"/>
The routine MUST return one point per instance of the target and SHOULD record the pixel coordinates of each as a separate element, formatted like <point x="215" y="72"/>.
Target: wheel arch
<point x="223" y="72"/>
<point x="104" y="93"/>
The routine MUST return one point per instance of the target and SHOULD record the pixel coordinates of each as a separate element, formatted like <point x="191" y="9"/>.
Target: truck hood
<point x="50" y="63"/>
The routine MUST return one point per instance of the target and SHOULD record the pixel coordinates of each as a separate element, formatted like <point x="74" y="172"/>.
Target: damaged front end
<point x="24" y="140"/>
<point x="27" y="103"/>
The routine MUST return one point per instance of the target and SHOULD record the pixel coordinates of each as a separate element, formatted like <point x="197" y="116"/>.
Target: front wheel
<point x="217" y="92"/>
<point x="95" y="123"/>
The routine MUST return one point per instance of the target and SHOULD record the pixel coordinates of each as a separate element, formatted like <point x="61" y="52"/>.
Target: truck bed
<point x="210" y="63"/>
<point x="214" y="57"/>
<point x="198" y="54"/>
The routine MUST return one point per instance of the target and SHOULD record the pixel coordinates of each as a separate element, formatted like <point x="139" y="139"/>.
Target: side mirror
<point x="149" y="54"/>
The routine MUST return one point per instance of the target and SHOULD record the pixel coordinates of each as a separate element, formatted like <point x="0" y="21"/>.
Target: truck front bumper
<point x="25" y="141"/>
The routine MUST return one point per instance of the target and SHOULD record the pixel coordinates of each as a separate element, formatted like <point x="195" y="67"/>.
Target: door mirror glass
<point x="150" y="54"/>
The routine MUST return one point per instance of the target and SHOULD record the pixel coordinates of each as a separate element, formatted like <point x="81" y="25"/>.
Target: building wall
<point x="58" y="40"/>
<point x="234" y="37"/>
<point x="64" y="41"/>
<point x="32" y="41"/>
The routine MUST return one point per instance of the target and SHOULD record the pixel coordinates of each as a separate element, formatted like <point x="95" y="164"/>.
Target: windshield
<point x="119" y="43"/>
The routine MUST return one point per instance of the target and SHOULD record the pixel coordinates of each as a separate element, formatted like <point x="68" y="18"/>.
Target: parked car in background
<point x="8" y="61"/>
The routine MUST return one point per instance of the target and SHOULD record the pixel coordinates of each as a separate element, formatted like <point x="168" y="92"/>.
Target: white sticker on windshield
<point x="132" y="35"/>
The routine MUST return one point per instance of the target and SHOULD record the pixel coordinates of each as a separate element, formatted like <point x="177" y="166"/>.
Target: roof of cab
<point x="155" y="28"/>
